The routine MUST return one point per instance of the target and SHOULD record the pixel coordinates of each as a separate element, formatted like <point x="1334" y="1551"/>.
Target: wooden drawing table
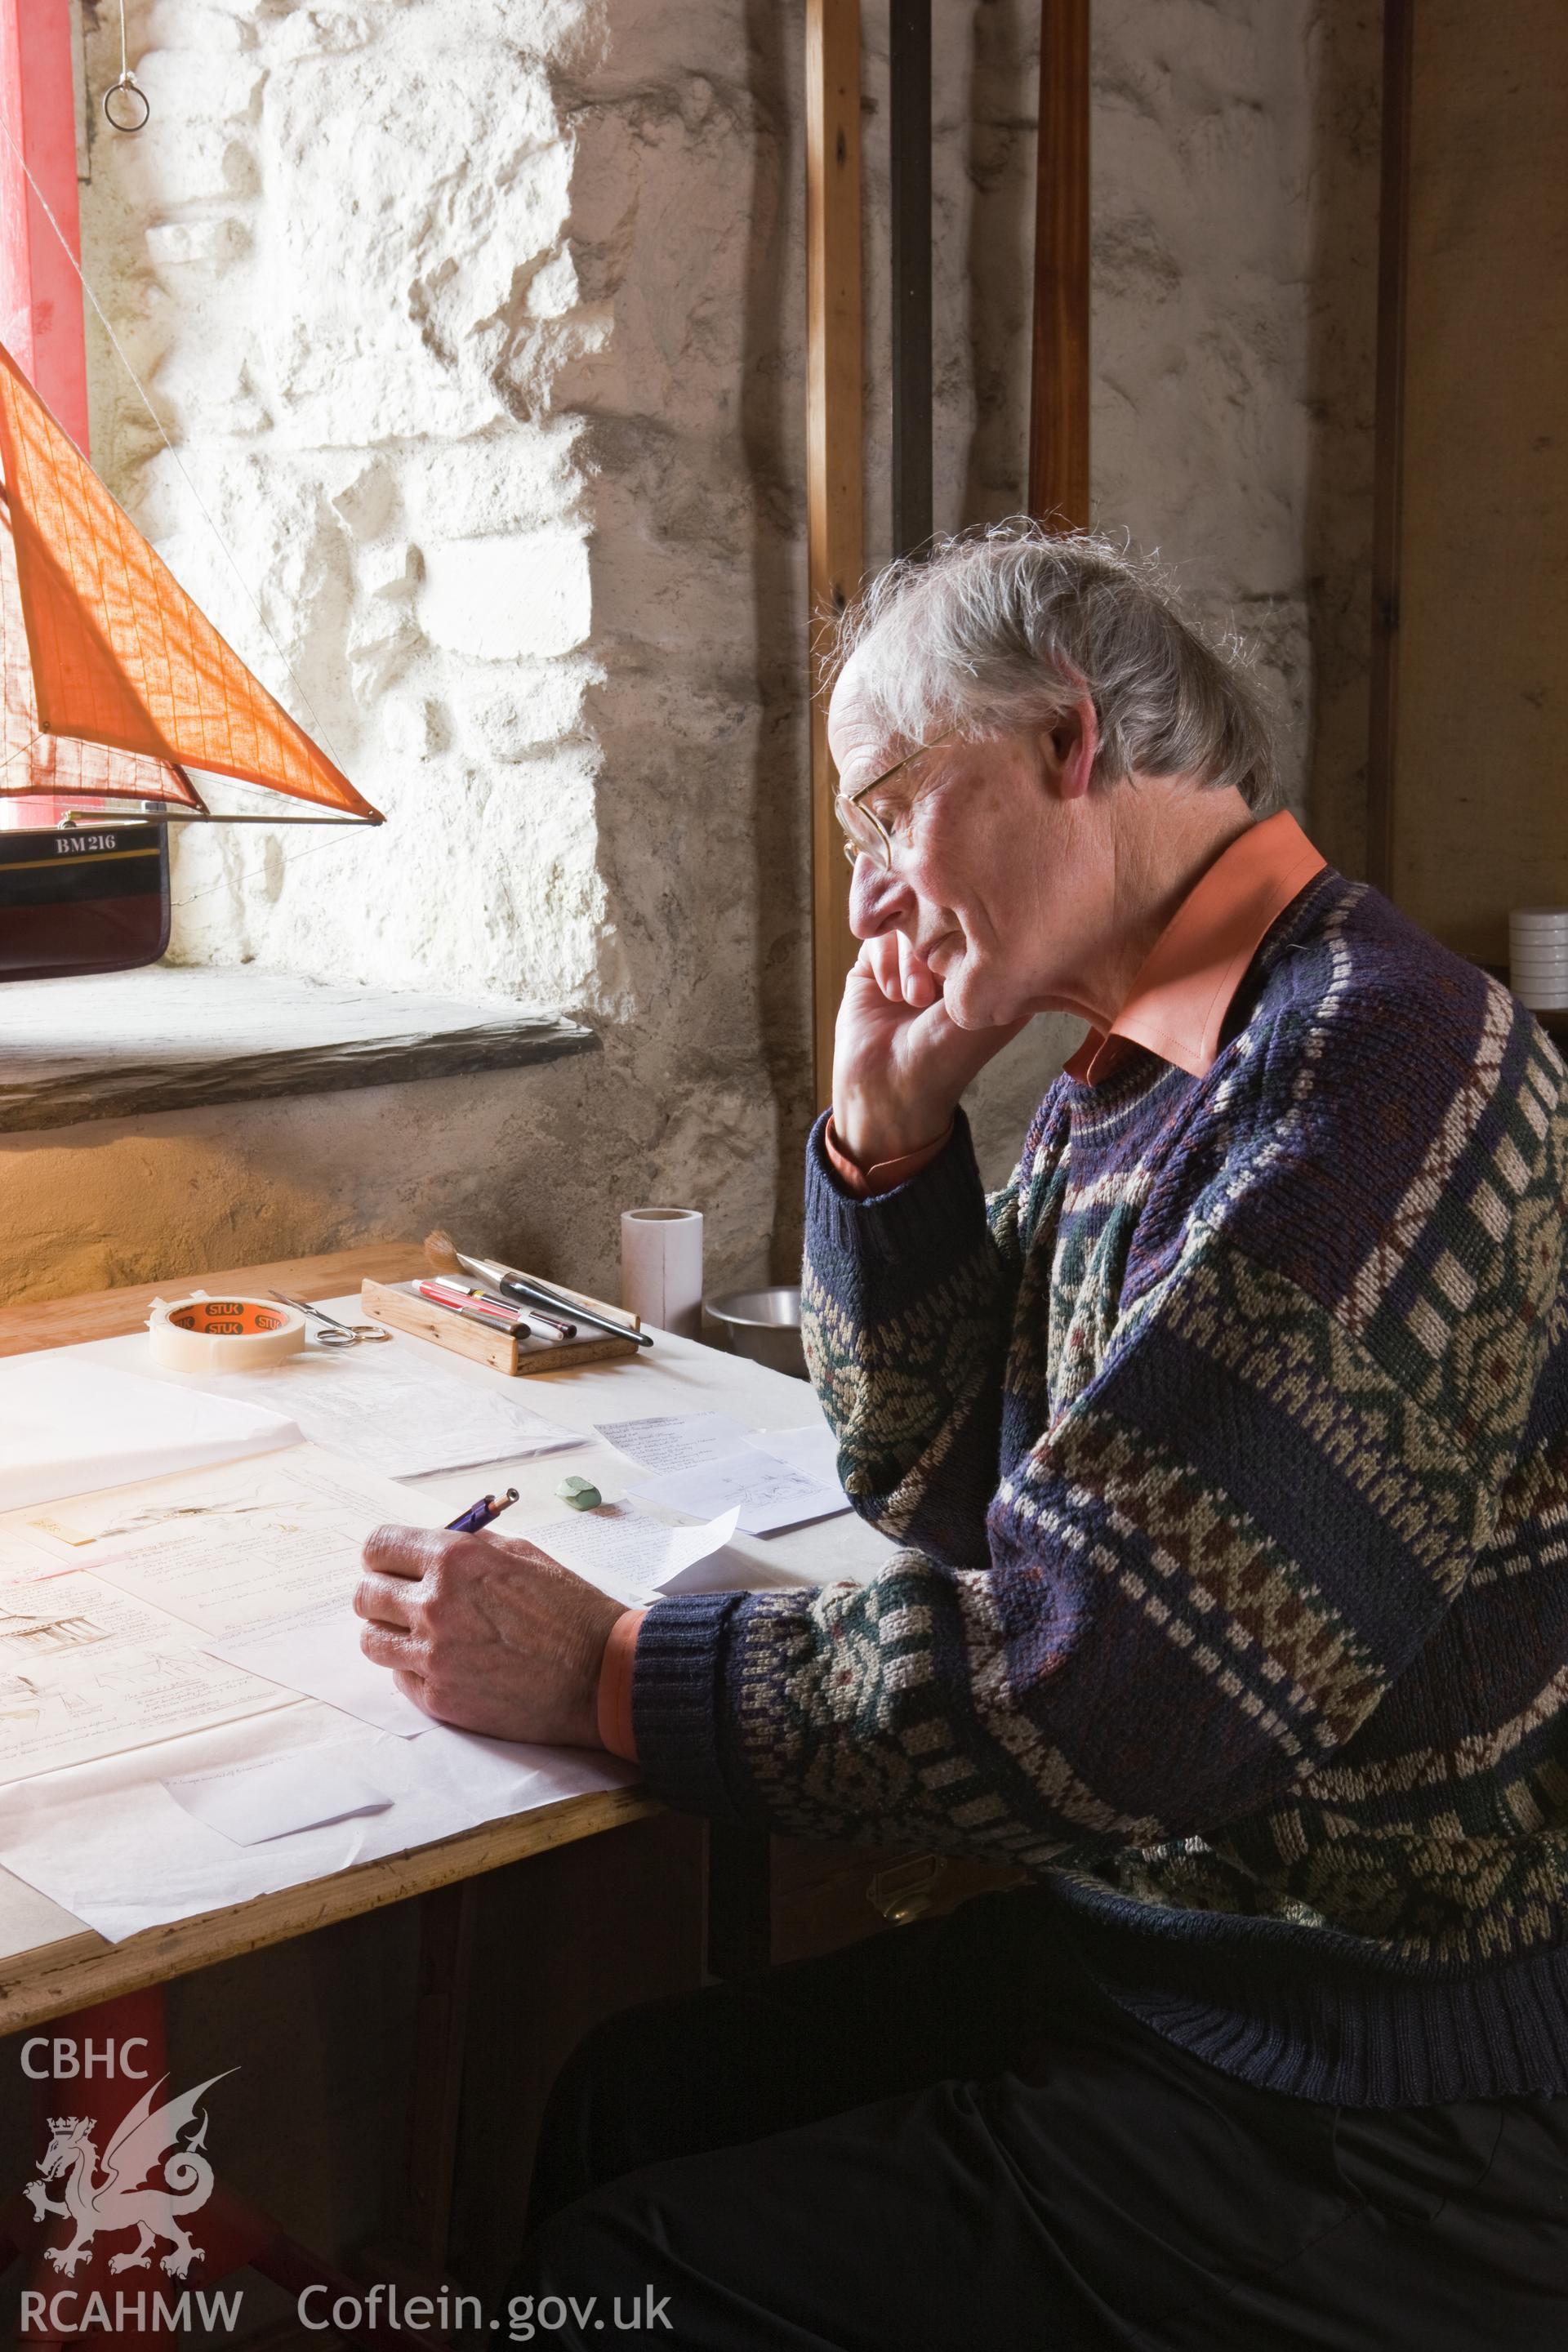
<point x="50" y="1965"/>
<point x="45" y="1971"/>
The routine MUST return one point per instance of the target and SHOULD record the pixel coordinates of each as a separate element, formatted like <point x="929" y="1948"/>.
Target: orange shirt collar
<point x="1183" y="990"/>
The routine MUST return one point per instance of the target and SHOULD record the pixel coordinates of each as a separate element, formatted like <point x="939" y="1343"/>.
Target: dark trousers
<point x="948" y="2137"/>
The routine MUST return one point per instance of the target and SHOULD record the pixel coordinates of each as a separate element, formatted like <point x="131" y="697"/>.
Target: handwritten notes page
<point x="676" y="1441"/>
<point x="629" y="1553"/>
<point x="708" y="1462"/>
<point x="813" y="1451"/>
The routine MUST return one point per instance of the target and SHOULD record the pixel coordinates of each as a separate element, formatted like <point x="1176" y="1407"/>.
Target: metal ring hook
<point x="130" y="87"/>
<point x="127" y="88"/>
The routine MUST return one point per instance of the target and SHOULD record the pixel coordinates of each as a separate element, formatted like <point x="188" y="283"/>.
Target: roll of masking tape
<point x="222" y="1335"/>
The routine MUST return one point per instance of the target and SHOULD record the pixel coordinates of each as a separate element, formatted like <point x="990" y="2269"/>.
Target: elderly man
<point x="1226" y="1451"/>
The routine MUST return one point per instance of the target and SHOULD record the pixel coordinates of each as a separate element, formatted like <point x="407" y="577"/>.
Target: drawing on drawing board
<point x="39" y="1631"/>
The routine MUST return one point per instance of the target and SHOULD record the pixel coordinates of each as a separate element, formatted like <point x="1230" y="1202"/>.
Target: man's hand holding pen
<point x="485" y="1631"/>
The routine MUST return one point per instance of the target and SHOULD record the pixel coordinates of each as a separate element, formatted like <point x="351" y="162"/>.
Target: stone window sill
<point x="172" y="1037"/>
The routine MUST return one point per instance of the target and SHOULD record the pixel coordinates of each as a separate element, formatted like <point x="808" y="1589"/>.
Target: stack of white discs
<point x="1538" y="957"/>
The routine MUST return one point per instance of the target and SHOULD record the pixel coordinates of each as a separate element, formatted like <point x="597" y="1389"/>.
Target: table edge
<point x="50" y="1980"/>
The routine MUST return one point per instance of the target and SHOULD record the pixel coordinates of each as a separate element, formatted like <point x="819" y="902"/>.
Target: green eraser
<point x="581" y="1493"/>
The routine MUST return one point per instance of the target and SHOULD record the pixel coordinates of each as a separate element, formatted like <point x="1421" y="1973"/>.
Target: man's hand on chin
<point x="486" y="1632"/>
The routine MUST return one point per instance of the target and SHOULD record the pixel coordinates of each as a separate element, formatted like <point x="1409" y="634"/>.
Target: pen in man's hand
<point x="479" y="1515"/>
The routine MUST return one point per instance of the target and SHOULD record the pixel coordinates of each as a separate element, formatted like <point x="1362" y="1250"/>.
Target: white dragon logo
<point x="121" y="2200"/>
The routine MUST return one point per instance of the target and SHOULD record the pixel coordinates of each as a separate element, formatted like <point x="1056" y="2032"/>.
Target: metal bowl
<point x="763" y="1325"/>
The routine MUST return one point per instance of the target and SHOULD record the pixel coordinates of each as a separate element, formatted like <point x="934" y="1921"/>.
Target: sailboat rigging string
<point x="226" y="881"/>
<point x="22" y="751"/>
<point x="119" y="352"/>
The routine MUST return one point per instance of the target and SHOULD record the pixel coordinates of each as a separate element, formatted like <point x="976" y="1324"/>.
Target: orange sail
<point x="118" y="656"/>
<point x="59" y="766"/>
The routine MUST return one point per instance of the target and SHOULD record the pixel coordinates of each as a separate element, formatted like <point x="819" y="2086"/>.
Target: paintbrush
<point x="444" y="1255"/>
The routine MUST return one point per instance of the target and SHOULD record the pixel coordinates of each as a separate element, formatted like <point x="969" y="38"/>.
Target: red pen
<point x="485" y="1303"/>
<point x="478" y="1310"/>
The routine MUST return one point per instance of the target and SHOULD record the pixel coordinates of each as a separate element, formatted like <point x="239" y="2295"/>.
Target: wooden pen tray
<point x="401" y="1309"/>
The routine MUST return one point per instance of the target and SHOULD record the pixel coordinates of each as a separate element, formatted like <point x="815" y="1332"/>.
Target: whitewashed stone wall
<point x="337" y="259"/>
<point x="477" y="326"/>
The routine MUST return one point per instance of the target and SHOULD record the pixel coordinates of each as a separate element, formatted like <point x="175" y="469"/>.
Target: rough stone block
<point x="382" y="642"/>
<point x="542" y="702"/>
<point x="452" y="194"/>
<point x="215" y="27"/>
<point x="367" y="501"/>
<point x="212" y="244"/>
<point x="413" y="726"/>
<point x="553" y="289"/>
<point x="493" y="599"/>
<point x="391" y="571"/>
<point x="194" y="85"/>
<point x="200" y="164"/>
<point x="323" y="32"/>
<point x="520" y="478"/>
<point x="350" y="382"/>
<point x="245" y="417"/>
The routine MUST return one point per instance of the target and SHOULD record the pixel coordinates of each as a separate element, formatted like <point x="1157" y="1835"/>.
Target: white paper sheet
<point x="252" y="1803"/>
<point x="676" y="1441"/>
<point x="109" y="1647"/>
<point x="813" y="1451"/>
<point x="276" y="1489"/>
<point x="81" y="1530"/>
<point x="402" y="1415"/>
<point x="22" y="1554"/>
<point x="629" y="1552"/>
<point x="228" y="1548"/>
<point x="108" y="1844"/>
<point x="130" y="1696"/>
<point x="227" y="1579"/>
<point x="766" y="1493"/>
<point x="317" y="1654"/>
<point x="263" y="1541"/>
<point x="62" y="1620"/>
<point x="86" y="1669"/>
<point x="69" y="1425"/>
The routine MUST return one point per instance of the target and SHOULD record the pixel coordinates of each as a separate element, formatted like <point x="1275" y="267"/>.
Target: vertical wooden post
<point x="1058" y="390"/>
<point x="1388" y="439"/>
<point x="440" y="2028"/>
<point x="909" y="194"/>
<point x="834" y="495"/>
<point x="40" y="294"/>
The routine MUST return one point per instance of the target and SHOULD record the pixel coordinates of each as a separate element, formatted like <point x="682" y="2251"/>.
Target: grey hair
<point x="998" y="631"/>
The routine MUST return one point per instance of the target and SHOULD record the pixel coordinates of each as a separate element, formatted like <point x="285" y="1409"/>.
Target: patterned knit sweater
<point x="1227" y="1447"/>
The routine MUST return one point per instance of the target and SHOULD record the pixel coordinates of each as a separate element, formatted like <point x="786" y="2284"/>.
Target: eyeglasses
<point x="865" y="833"/>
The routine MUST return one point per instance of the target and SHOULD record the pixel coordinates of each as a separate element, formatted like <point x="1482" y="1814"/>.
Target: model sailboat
<point x="113" y="681"/>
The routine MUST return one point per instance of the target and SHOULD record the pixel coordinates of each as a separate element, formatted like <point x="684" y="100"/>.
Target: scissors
<point x="336" y="1334"/>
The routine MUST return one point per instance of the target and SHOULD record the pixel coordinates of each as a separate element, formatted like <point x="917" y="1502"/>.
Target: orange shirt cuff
<point x="615" y="1686"/>
<point x="882" y="1174"/>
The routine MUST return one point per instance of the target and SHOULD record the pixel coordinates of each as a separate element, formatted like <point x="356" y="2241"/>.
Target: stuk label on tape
<point x="202" y="1334"/>
<point x="235" y="1317"/>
